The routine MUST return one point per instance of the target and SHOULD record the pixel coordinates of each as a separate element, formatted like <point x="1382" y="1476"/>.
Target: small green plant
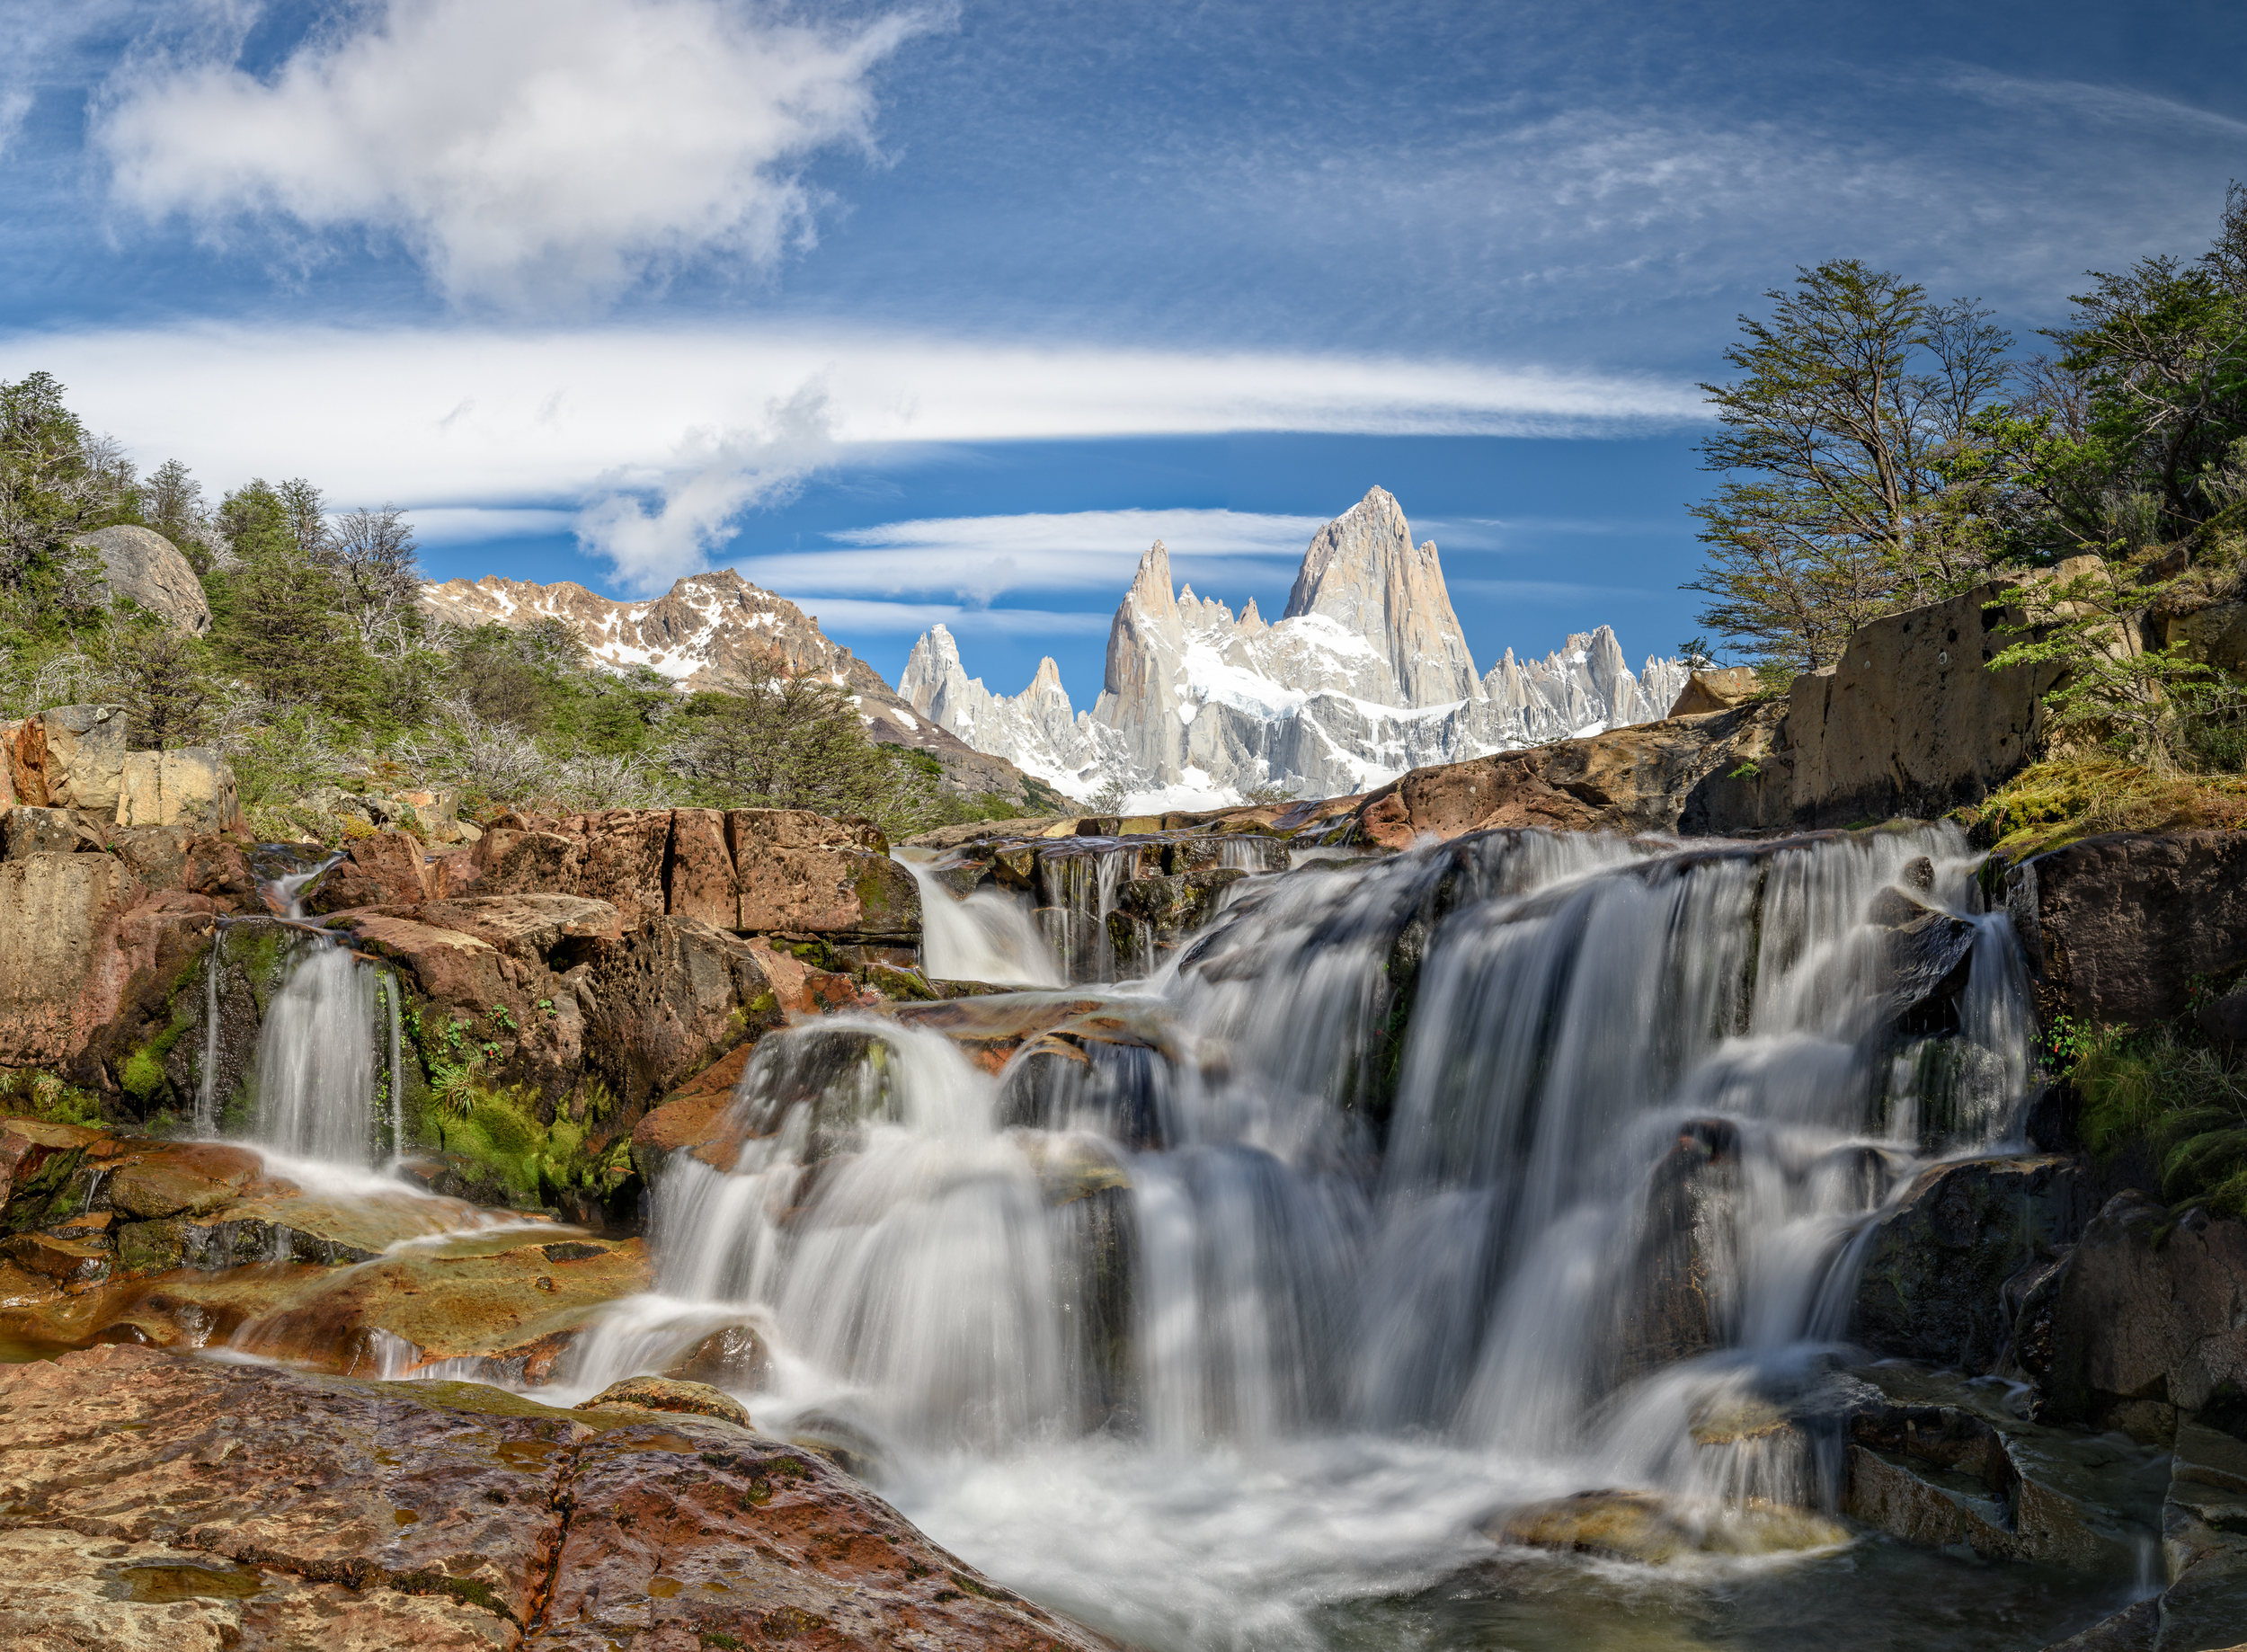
<point x="1746" y="771"/>
<point x="2184" y="1100"/>
<point x="501" y="1016"/>
<point x="545" y="1005"/>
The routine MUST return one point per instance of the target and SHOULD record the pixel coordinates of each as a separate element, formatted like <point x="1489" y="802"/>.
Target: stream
<point x="1231" y="1323"/>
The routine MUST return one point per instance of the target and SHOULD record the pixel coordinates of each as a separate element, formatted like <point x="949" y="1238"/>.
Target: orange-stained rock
<point x="381" y="870"/>
<point x="668" y="998"/>
<point x="511" y="860"/>
<point x="456" y="1511"/>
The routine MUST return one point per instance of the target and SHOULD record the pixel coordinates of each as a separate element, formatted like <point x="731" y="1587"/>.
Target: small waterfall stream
<point x="1372" y="1225"/>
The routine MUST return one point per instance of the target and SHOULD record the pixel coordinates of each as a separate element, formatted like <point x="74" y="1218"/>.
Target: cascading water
<point x="1200" y="1330"/>
<point x="988" y="936"/>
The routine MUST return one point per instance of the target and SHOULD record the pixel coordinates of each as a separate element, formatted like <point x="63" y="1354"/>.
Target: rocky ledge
<point x="165" y="1503"/>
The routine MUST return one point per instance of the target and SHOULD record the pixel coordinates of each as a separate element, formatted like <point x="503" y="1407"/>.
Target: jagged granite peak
<point x="717" y="630"/>
<point x="1366" y="675"/>
<point x="1364" y="572"/>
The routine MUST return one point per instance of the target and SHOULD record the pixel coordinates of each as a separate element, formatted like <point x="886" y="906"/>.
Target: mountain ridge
<point x="1366" y="674"/>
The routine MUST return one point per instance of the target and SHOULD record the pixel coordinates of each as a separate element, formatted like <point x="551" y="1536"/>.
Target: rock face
<point x="239" y="1505"/>
<point x="1910" y="722"/>
<point x="715" y="630"/>
<point x="1932" y="1283"/>
<point x="190" y="786"/>
<point x="1366" y="672"/>
<point x="2149" y="1315"/>
<point x="142" y="564"/>
<point x="2116" y="927"/>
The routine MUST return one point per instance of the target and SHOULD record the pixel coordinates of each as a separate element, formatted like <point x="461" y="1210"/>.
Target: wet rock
<point x="690" y="1114"/>
<point x="2131" y="1630"/>
<point x="417" y="1512"/>
<point x="2204" y="1540"/>
<point x="734" y="1356"/>
<point x="1943" y="1475"/>
<point x="2149" y="1317"/>
<point x="2117" y="928"/>
<point x="1932" y="1284"/>
<point x="670" y="1394"/>
<point x="69" y="1261"/>
<point x="383" y="870"/>
<point x="187" y="1179"/>
<point x="840" y="1443"/>
<point x="1653" y="1530"/>
<point x="1686" y="1251"/>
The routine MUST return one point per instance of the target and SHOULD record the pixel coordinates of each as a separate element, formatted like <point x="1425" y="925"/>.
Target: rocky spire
<point x="1364" y="573"/>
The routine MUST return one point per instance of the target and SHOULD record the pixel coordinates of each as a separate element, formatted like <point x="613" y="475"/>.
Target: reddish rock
<point x="622" y="862"/>
<point x="804" y="873"/>
<point x="702" y="882"/>
<point x="668" y="998"/>
<point x="526" y="928"/>
<point x="511" y="860"/>
<point x="802" y="990"/>
<point x="381" y="870"/>
<point x="216" y="866"/>
<point x="191" y="1178"/>
<point x="450" y="1514"/>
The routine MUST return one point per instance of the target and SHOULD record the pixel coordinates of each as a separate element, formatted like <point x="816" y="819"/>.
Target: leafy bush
<point x="2184" y="1100"/>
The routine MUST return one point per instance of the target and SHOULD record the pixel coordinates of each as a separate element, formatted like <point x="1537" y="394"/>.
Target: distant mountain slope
<point x="1366" y="675"/>
<point x="714" y="631"/>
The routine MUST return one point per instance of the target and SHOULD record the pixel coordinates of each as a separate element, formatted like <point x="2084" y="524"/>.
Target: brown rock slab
<point x="1653" y="1530"/>
<point x="437" y="1513"/>
<point x="382" y="870"/>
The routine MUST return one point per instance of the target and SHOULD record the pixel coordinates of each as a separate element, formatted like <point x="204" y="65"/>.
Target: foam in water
<point x="1378" y="1219"/>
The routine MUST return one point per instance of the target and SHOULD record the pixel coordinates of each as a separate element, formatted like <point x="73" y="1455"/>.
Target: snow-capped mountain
<point x="1366" y="675"/>
<point x="717" y="631"/>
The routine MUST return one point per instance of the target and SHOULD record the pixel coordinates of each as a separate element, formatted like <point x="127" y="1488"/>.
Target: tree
<point x="57" y="480"/>
<point x="163" y="679"/>
<point x="798" y="743"/>
<point x="1840" y="446"/>
<point x="278" y="612"/>
<point x="172" y="503"/>
<point x="374" y="553"/>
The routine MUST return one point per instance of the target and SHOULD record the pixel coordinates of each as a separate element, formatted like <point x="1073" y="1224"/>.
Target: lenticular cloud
<point x="529" y="152"/>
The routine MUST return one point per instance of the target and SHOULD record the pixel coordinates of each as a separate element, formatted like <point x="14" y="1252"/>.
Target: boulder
<point x="270" y="1508"/>
<point x="1931" y="1286"/>
<point x="1910" y="721"/>
<point x="531" y="928"/>
<point x="667" y="999"/>
<point x="2149" y="1317"/>
<point x="1687" y="1248"/>
<point x="58" y="915"/>
<point x="385" y="869"/>
<point x="2115" y="929"/>
<point x="2204" y="1539"/>
<point x="684" y="1396"/>
<point x="701" y="882"/>
<point x="1714" y="688"/>
<point x="141" y="564"/>
<point x="801" y="872"/>
<point x="622" y="860"/>
<point x="516" y="860"/>
<point x="70" y="758"/>
<point x="192" y="786"/>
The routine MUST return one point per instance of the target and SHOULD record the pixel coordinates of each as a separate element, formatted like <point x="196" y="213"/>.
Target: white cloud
<point x="525" y="151"/>
<point x="474" y="524"/>
<point x="714" y="478"/>
<point x="979" y="558"/>
<point x="664" y="437"/>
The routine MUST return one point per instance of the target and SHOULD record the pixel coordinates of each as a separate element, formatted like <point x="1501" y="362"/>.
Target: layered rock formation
<point x="1365" y="675"/>
<point x="715" y="630"/>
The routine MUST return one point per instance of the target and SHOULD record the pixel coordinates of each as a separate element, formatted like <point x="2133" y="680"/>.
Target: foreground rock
<point x="2117" y="929"/>
<point x="154" y="1501"/>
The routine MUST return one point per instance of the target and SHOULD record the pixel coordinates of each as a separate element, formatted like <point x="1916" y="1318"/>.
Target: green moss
<point x="499" y="1129"/>
<point x="2185" y="1102"/>
<point x="33" y="1094"/>
<point x="142" y="1075"/>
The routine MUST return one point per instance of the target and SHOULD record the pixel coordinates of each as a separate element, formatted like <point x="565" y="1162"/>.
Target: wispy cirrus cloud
<point x="530" y="153"/>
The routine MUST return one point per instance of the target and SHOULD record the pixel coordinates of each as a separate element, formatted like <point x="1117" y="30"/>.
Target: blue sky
<point x="943" y="311"/>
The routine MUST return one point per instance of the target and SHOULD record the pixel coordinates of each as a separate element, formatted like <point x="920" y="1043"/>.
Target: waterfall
<point x="1078" y="881"/>
<point x="1503" y="1168"/>
<point x="315" y="1061"/>
<point x="987" y="936"/>
<point x="207" y="1082"/>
